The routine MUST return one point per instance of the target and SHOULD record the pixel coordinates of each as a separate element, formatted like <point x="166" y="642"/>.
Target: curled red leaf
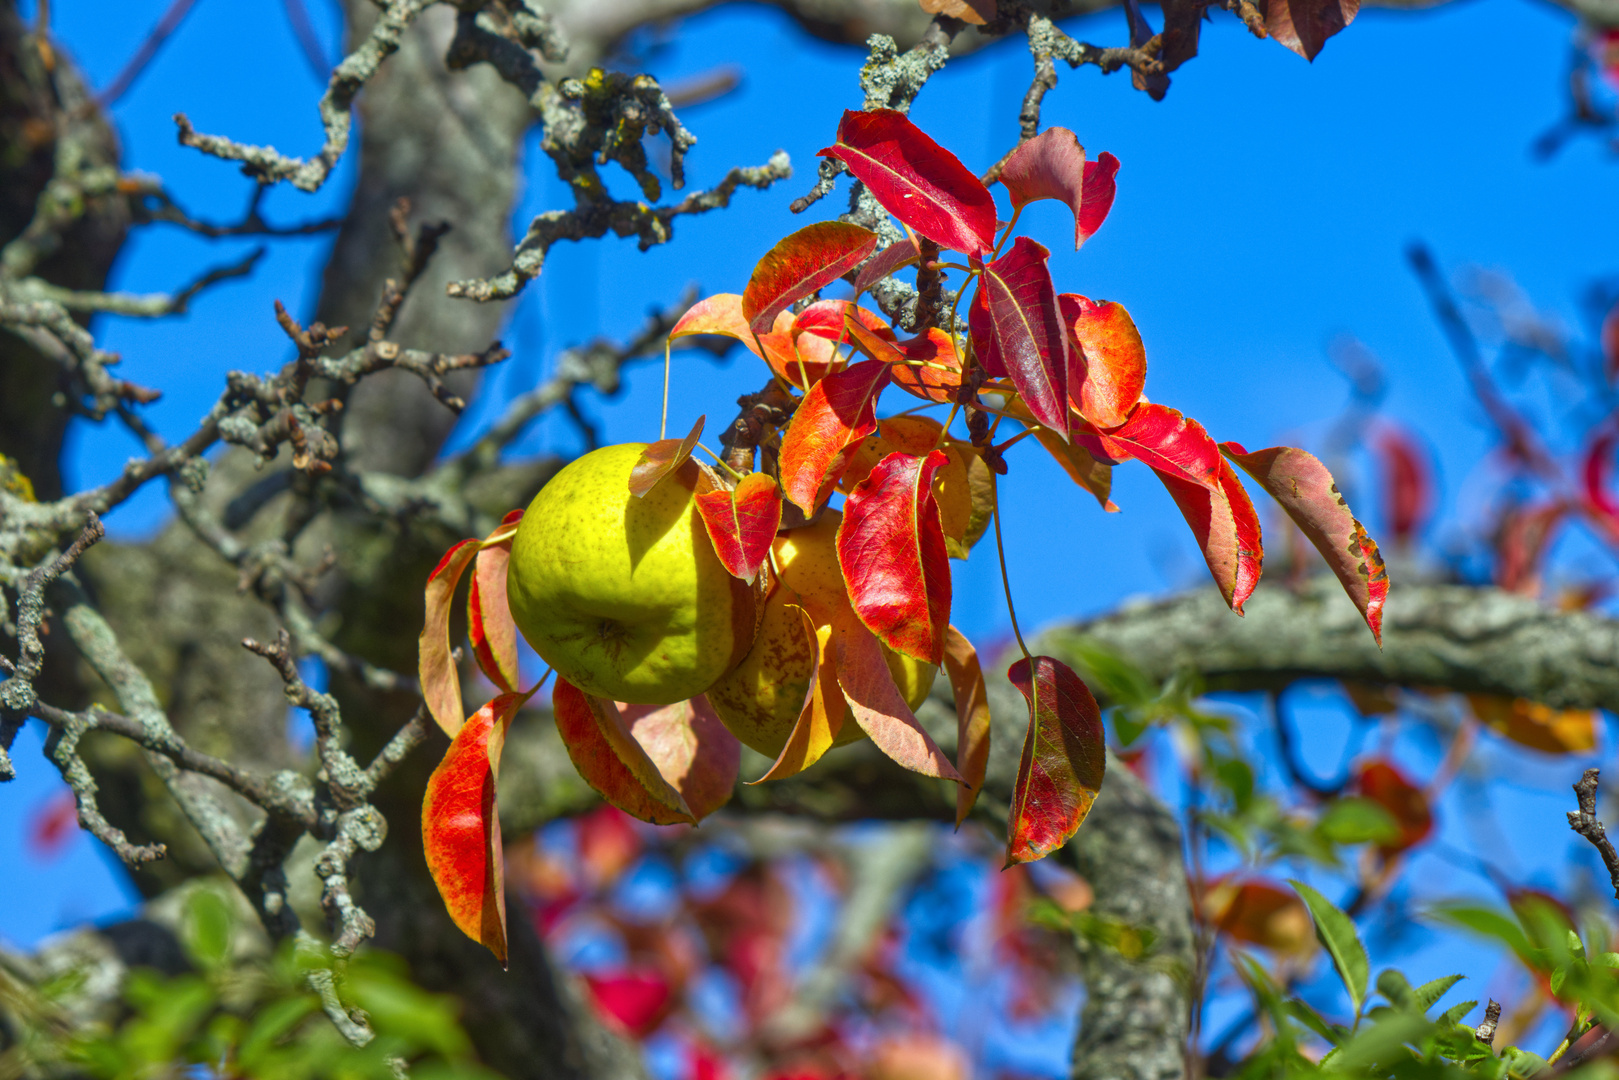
<point x="893" y="555"/>
<point x="1064" y="758"/>
<point x="435" y="663"/>
<point x="800" y="264"/>
<point x="1107" y="363"/>
<point x="827" y="428"/>
<point x="917" y="180"/>
<point x="742" y="523"/>
<point x="1097" y="200"/>
<point x="661" y="458"/>
<point x="611" y="761"/>
<point x="1030" y="339"/>
<point x="1305" y="489"/>
<point x="1050" y="166"/>
<point x="490" y="626"/>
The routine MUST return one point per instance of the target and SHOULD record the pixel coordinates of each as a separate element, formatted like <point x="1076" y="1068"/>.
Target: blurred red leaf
<point x="878" y="706"/>
<point x="1227" y="529"/>
<point x="932" y="367"/>
<point x="607" y="843"/>
<point x="1260" y="912"/>
<point x="1597" y="472"/>
<point x="635" y="1002"/>
<point x="972" y="718"/>
<point x="1305" y="25"/>
<point x="896" y="256"/>
<point x="1522" y="542"/>
<point x="1609" y="337"/>
<point x="1162" y="438"/>
<point x="661" y="458"/>
<point x="704" y="1063"/>
<point x="1305" y="489"/>
<point x="1052" y="166"/>
<point x="836" y="414"/>
<point x="800" y="264"/>
<point x="1027" y="330"/>
<point x="1100" y="188"/>
<point x="461" y="825"/>
<point x="435" y="664"/>
<point x="976" y="12"/>
<point x="1064" y="757"/>
<point x="1384" y="784"/>
<point x="742" y="523"/>
<point x="53" y="825"/>
<point x="1407" y="481"/>
<point x="917" y="180"/>
<point x="1107" y="366"/>
<point x="610" y="759"/>
<point x="690" y="748"/>
<point x="892" y="551"/>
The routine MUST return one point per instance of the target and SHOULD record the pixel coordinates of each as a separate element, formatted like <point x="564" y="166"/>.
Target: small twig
<point x="165" y="28"/>
<point x="1586" y="824"/>
<point x="1492" y="1016"/>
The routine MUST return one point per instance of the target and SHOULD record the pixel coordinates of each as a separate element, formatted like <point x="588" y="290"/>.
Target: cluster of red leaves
<point x="1067" y="369"/>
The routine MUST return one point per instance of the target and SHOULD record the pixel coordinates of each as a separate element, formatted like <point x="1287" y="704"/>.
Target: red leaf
<point x="896" y="256"/>
<point x="972" y="718"/>
<point x="435" y="666"/>
<point x="931" y="368"/>
<point x="611" y="761"/>
<point x="982" y="330"/>
<point x="1609" y="337"/>
<point x="1064" y="757"/>
<point x="1162" y="438"/>
<point x="636" y="1003"/>
<point x="1407" y="485"/>
<point x="1227" y="529"/>
<point x="836" y="414"/>
<point x="1098" y="198"/>
<point x="1027" y="329"/>
<point x="691" y="749"/>
<point x="461" y="826"/>
<point x="799" y="265"/>
<point x="916" y="179"/>
<point x="489" y="619"/>
<point x="1305" y="489"/>
<point x="1305" y="25"/>
<point x="661" y="458"/>
<point x="1597" y="470"/>
<point x="1049" y="166"/>
<point x="1107" y="366"/>
<point x="892" y="551"/>
<point x="722" y="314"/>
<point x="1386" y="785"/>
<point x="53" y="825"/>
<point x="825" y="319"/>
<point x="878" y="706"/>
<point x="742" y="523"/>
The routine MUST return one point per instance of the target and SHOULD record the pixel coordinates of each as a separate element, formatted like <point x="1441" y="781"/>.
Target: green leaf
<point x="1317" y="1023"/>
<point x="1430" y="992"/>
<point x="1382" y="1043"/>
<point x="207" y="928"/>
<point x="1357" y="821"/>
<point x="1523" y="1063"/>
<point x="1489" y="923"/>
<point x="1394" y="986"/>
<point x="1454" y="1014"/>
<point x="1336" y="932"/>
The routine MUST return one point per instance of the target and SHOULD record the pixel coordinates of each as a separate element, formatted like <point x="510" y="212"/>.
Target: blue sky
<point x="1263" y="208"/>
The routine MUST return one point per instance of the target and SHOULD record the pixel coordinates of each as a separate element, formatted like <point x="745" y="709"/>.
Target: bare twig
<point x="1492" y="1016"/>
<point x="165" y="28"/>
<point x="1586" y="824"/>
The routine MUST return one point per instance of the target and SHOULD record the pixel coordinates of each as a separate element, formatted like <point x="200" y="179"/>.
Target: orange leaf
<point x="1305" y="489"/>
<point x="661" y="458"/>
<point x="878" y="706"/>
<point x="1386" y="785"/>
<point x="972" y="718"/>
<point x="742" y="523"/>
<point x="821" y="719"/>
<point x="461" y="826"/>
<point x="611" y="761"/>
<point x="800" y="264"/>
<point x="1081" y="466"/>
<point x="893" y="556"/>
<point x="1227" y="529"/>
<point x="1064" y="757"/>
<point x="977" y="12"/>
<point x="929" y="366"/>
<point x="1537" y="726"/>
<point x="816" y="333"/>
<point x="1107" y="364"/>
<point x="1260" y="912"/>
<point x="691" y="749"/>
<point x="722" y="314"/>
<point x="827" y="427"/>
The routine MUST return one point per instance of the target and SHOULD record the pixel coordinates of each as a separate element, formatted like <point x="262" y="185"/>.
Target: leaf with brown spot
<point x="1064" y="757"/>
<point x="661" y="458"/>
<point x="800" y="264"/>
<point x="611" y="761"/>
<point x="878" y="706"/>
<point x="972" y="719"/>
<point x="742" y="523"/>
<point x="1305" y="25"/>
<point x="821" y="719"/>
<point x="1305" y="489"/>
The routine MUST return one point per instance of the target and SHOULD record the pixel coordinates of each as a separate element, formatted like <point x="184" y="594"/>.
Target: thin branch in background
<point x="165" y="28"/>
<point x="303" y="28"/>
<point x="1492" y="1016"/>
<point x="1586" y="824"/>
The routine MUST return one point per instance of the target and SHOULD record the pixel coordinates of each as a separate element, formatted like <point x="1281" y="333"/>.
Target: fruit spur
<point x="688" y="609"/>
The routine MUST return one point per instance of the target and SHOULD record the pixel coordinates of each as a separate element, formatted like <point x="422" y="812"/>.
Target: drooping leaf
<point x="1049" y="166"/>
<point x="931" y="367"/>
<point x="981" y="329"/>
<point x="1100" y="188"/>
<point x="892" y="552"/>
<point x="661" y="458"/>
<point x="917" y="180"/>
<point x="1538" y="726"/>
<point x="878" y="706"/>
<point x="607" y="755"/>
<point x="1305" y="489"/>
<point x="1064" y="757"/>
<point x="435" y="663"/>
<point x="821" y="719"/>
<point x="1107" y="362"/>
<point x="1336" y="931"/>
<point x="1305" y="25"/>
<point x="801" y="263"/>
<point x="1027" y="329"/>
<point x="742" y="523"/>
<point x="461" y="826"/>
<point x="952" y="483"/>
<point x="691" y="749"/>
<point x="1384" y="783"/>
<point x="896" y="256"/>
<point x="1162" y="438"/>
<point x="972" y="718"/>
<point x="489" y="620"/>
<point x="834" y="416"/>
<point x="1227" y="530"/>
